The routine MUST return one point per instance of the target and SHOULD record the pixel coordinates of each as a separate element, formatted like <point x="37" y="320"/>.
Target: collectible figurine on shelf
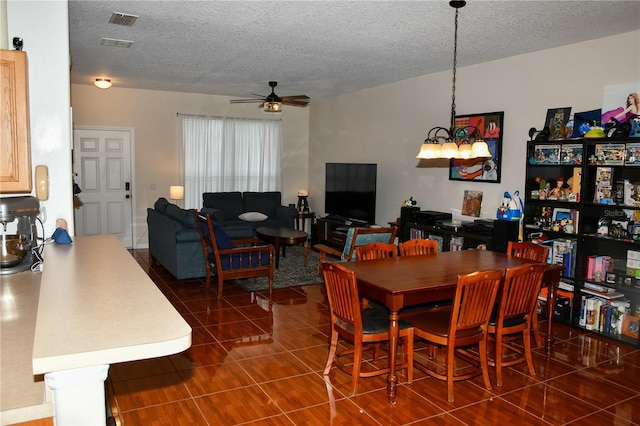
<point x="557" y="192"/>
<point x="544" y="187"/>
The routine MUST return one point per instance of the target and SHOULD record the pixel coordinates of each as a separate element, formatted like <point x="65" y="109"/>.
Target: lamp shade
<point x="102" y="83"/>
<point x="176" y="192"/>
<point x="480" y="149"/>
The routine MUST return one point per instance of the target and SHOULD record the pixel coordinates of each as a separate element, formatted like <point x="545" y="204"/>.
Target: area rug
<point x="291" y="272"/>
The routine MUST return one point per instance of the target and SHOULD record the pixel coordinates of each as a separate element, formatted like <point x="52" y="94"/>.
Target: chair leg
<point x="484" y="365"/>
<point x="220" y="284"/>
<point x="527" y="350"/>
<point x="536" y="328"/>
<point x="498" y="357"/>
<point x="357" y="364"/>
<point x="332" y="352"/>
<point x="450" y="360"/>
<point x="409" y="348"/>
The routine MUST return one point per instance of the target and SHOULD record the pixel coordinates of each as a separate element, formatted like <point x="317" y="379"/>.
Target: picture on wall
<point x="620" y="102"/>
<point x="488" y="126"/>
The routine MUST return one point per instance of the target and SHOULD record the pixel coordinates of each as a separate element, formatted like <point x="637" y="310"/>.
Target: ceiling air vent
<point x="122" y="19"/>
<point x="114" y="42"/>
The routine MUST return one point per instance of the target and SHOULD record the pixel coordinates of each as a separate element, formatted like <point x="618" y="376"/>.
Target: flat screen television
<point x="350" y="191"/>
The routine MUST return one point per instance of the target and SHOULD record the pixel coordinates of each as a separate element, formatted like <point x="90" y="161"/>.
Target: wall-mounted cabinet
<point x="586" y="207"/>
<point x="15" y="162"/>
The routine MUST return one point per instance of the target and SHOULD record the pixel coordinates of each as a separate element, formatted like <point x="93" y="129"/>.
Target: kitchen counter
<point x="22" y="395"/>
<point x="95" y="307"/>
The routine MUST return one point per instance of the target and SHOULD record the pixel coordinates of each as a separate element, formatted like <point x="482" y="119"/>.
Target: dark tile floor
<point x="259" y="360"/>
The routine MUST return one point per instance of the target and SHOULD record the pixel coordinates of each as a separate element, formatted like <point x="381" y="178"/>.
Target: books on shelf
<point x="437" y="238"/>
<point x="562" y="251"/>
<point x="602" y="315"/>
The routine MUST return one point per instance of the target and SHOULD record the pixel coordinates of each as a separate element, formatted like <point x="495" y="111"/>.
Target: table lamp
<point x="303" y="203"/>
<point x="176" y="193"/>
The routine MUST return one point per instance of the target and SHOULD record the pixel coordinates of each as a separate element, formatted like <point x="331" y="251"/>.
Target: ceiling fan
<point x="273" y="102"/>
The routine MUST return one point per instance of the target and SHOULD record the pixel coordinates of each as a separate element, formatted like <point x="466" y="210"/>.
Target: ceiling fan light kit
<point x="456" y="142"/>
<point x="273" y="102"/>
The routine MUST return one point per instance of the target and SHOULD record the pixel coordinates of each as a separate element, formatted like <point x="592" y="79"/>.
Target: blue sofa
<point x="226" y="209"/>
<point x="174" y="241"/>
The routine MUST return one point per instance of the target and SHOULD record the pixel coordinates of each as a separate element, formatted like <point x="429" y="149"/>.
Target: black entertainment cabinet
<point x="491" y="234"/>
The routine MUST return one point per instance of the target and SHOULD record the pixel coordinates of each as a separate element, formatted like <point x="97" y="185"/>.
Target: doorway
<point x="102" y="169"/>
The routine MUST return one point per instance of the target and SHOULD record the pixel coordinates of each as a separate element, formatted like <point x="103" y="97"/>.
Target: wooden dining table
<point x="412" y="280"/>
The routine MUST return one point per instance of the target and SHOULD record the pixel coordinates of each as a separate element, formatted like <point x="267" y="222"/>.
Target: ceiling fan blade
<point x="245" y="101"/>
<point x="294" y="102"/>
<point x="296" y="97"/>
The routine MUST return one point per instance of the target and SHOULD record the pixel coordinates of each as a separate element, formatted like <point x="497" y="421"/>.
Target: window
<point x="229" y="154"/>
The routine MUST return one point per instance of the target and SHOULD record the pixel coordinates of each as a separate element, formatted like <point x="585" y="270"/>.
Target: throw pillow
<point x="253" y="217"/>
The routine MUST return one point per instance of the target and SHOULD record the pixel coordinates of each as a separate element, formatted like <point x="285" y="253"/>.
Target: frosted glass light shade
<point x="449" y="149"/>
<point x="429" y="151"/>
<point x="102" y="83"/>
<point x="480" y="149"/>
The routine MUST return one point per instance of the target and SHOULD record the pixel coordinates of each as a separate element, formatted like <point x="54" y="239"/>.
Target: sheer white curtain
<point x="229" y="154"/>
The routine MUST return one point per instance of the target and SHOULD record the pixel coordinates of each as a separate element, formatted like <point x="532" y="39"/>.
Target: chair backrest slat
<point x="418" y="246"/>
<point x="342" y="292"/>
<point x="520" y="291"/>
<point x="373" y="251"/>
<point x="475" y="296"/>
<point x="528" y="250"/>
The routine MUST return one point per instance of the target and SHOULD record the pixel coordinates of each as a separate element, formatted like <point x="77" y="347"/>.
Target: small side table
<point x="301" y="220"/>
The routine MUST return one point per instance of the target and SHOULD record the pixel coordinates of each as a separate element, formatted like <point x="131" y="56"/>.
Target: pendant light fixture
<point x="456" y="143"/>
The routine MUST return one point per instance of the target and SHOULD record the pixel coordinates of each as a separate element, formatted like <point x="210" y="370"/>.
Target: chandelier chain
<point x="455" y="61"/>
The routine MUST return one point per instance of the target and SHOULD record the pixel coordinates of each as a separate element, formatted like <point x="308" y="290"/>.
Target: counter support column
<point x="78" y="395"/>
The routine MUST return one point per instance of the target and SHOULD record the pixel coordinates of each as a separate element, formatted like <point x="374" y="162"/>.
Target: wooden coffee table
<point x="282" y="237"/>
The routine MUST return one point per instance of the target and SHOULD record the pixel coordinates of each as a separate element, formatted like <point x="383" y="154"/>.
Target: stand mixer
<point x="19" y="238"/>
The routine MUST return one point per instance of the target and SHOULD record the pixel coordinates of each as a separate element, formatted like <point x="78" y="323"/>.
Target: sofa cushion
<point x="222" y="239"/>
<point x="216" y="214"/>
<point x="253" y="217"/>
<point x="186" y="218"/>
<point x="161" y="205"/>
<point x="231" y="203"/>
<point x="263" y="202"/>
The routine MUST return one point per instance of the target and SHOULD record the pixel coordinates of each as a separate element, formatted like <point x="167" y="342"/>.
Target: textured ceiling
<point x="319" y="48"/>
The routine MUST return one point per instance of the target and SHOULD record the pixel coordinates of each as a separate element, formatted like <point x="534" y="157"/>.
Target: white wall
<point x="44" y="27"/>
<point x="387" y="124"/>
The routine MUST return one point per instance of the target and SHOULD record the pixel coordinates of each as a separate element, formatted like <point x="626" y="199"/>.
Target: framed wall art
<point x="490" y="127"/>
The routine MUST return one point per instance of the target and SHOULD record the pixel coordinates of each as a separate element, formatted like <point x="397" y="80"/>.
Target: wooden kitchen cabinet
<point x="15" y="160"/>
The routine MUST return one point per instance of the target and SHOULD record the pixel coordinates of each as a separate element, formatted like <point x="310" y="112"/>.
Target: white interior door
<point x="102" y="164"/>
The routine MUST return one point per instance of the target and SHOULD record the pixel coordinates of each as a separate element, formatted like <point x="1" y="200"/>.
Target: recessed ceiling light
<point x="114" y="42"/>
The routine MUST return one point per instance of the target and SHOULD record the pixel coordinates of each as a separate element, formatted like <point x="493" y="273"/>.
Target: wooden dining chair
<point x="516" y="308"/>
<point x="538" y="253"/>
<point x="359" y="326"/>
<point x="418" y="246"/>
<point x="462" y="326"/>
<point x="373" y="251"/>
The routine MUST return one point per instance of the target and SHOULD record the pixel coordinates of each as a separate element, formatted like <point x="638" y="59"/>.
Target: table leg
<point x="306" y="251"/>
<point x="392" y="378"/>
<point x="553" y="280"/>
<point x="276" y="245"/>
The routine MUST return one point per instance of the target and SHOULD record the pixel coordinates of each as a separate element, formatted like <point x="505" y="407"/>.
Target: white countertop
<point x="97" y="306"/>
<point x="22" y="396"/>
